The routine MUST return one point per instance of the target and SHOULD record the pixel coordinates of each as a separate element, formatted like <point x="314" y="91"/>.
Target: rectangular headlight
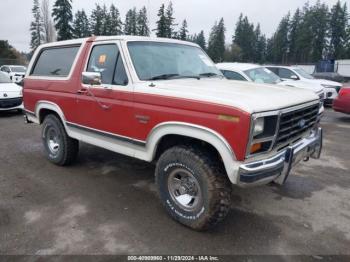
<point x="264" y="126"/>
<point x="263" y="131"/>
<point x="259" y="125"/>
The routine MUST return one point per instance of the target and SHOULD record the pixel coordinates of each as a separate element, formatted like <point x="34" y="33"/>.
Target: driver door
<point x="106" y="109"/>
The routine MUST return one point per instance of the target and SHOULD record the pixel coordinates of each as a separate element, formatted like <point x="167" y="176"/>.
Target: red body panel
<point x="123" y="109"/>
<point x="342" y="102"/>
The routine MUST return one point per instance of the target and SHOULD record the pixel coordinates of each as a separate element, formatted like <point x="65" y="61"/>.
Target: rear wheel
<point x="192" y="187"/>
<point x="60" y="148"/>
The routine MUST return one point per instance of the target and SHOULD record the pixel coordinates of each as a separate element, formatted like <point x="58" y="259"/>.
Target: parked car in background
<point x="259" y="74"/>
<point x="329" y="76"/>
<point x="298" y="74"/>
<point x="15" y="72"/>
<point x="342" y="102"/>
<point x="164" y="101"/>
<point x="10" y="94"/>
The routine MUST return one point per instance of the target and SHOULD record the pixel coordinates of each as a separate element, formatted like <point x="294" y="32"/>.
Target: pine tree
<point x="115" y="26"/>
<point x="36" y="27"/>
<point x="294" y="31"/>
<point x="319" y="13"/>
<point x="280" y="46"/>
<point x="200" y="40"/>
<point x="81" y="25"/>
<point x="183" y="31"/>
<point x="130" y="25"/>
<point x="216" y="45"/>
<point x="48" y="27"/>
<point x="337" y="33"/>
<point x="304" y="38"/>
<point x="63" y="17"/>
<point x="142" y="23"/>
<point x="106" y="21"/>
<point x="245" y="38"/>
<point x="347" y="45"/>
<point x="161" y="30"/>
<point x="269" y="50"/>
<point x="97" y="20"/>
<point x="259" y="46"/>
<point x="169" y="14"/>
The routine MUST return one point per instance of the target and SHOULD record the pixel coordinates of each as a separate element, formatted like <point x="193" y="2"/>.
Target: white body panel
<point x="249" y="97"/>
<point x="9" y="91"/>
<point x="329" y="86"/>
<point x="241" y="67"/>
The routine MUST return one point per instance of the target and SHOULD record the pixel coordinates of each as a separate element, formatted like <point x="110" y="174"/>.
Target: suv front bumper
<point x="278" y="167"/>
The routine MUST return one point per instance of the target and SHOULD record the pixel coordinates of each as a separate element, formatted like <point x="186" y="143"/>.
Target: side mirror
<point x="91" y="78"/>
<point x="294" y="77"/>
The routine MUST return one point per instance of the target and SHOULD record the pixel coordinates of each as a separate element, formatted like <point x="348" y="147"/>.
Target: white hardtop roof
<point x="237" y="66"/>
<point x="282" y="66"/>
<point x="117" y="37"/>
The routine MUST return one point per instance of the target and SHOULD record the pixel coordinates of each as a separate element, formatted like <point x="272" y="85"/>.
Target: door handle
<point x="82" y="91"/>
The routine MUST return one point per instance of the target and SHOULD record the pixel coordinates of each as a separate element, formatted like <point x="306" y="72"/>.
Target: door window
<point x="233" y="75"/>
<point x="106" y="60"/>
<point x="286" y="73"/>
<point x="274" y="69"/>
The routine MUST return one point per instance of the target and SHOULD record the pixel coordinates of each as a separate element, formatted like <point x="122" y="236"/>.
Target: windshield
<point x="4" y="78"/>
<point x="303" y="73"/>
<point x="155" y="60"/>
<point x="262" y="75"/>
<point x="18" y="69"/>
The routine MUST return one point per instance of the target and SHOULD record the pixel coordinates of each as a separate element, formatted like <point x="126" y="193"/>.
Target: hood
<point x="315" y="87"/>
<point x="249" y="97"/>
<point x="323" y="82"/>
<point x="10" y="89"/>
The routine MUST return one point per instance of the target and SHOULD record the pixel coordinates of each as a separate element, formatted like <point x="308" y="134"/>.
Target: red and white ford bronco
<point x="164" y="101"/>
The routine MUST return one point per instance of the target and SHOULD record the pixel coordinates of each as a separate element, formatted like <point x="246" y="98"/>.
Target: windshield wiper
<point x="210" y="74"/>
<point x="184" y="76"/>
<point x="163" y="77"/>
<point x="172" y="76"/>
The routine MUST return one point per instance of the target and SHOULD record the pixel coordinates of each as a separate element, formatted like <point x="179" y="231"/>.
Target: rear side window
<point x="55" y="62"/>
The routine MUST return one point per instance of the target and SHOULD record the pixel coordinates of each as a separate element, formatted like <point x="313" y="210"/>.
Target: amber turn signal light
<point x="255" y="148"/>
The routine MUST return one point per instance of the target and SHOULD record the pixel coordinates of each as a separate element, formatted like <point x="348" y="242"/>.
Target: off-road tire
<point x="213" y="182"/>
<point x="68" y="148"/>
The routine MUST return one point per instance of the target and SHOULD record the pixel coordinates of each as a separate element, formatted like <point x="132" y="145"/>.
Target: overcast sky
<point x="15" y="15"/>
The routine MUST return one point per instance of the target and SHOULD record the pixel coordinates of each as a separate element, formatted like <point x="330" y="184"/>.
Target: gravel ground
<point x="107" y="204"/>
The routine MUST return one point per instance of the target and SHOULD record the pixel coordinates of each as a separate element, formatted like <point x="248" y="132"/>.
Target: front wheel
<point x="193" y="189"/>
<point x="60" y="148"/>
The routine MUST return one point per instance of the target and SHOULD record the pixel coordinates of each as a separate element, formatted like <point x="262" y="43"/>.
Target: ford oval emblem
<point x="5" y="95"/>
<point x="302" y="123"/>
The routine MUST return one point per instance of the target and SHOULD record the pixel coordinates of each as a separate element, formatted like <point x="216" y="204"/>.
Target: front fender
<point x="198" y="132"/>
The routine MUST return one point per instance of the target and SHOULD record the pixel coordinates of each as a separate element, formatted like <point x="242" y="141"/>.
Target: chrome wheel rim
<point x="53" y="141"/>
<point x="184" y="189"/>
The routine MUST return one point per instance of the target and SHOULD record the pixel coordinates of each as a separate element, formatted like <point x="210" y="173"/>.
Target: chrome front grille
<point x="295" y="123"/>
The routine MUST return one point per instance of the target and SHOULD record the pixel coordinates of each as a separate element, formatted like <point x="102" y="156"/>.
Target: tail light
<point x="344" y="91"/>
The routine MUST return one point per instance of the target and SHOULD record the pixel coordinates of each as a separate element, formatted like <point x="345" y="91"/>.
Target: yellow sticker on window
<point x="102" y="59"/>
